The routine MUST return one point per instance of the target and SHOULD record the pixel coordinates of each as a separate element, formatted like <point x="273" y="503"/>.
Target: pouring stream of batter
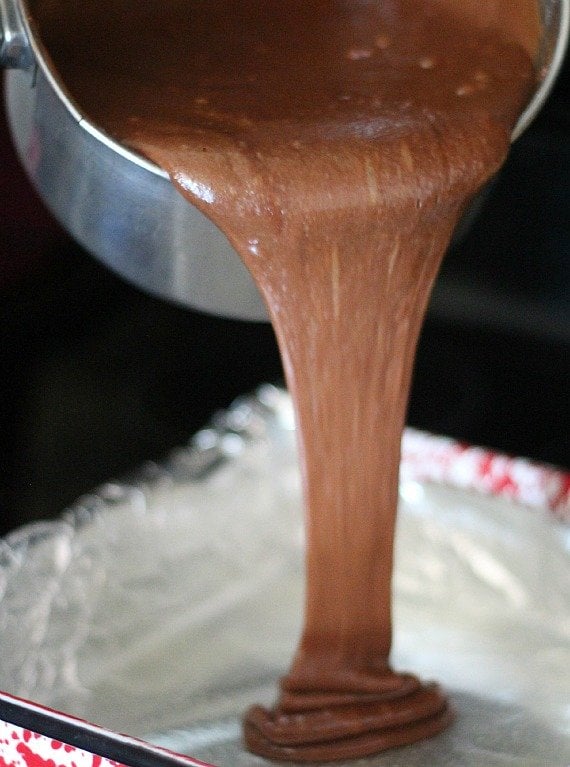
<point x="336" y="143"/>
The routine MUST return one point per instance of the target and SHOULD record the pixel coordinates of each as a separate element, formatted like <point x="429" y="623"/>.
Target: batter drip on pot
<point x="336" y="143"/>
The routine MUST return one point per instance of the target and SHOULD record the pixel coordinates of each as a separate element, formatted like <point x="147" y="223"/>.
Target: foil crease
<point x="163" y="605"/>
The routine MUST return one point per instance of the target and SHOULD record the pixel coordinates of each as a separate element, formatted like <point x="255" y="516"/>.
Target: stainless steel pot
<point x="124" y="209"/>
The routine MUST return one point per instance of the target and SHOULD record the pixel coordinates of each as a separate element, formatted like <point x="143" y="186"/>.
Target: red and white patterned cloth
<point x="24" y="747"/>
<point x="439" y="459"/>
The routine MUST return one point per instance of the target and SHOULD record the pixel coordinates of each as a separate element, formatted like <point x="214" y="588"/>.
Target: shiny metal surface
<point x="122" y="208"/>
<point x="555" y="17"/>
<point x="15" y="49"/>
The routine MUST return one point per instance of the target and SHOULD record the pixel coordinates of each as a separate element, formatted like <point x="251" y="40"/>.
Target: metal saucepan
<point x="124" y="209"/>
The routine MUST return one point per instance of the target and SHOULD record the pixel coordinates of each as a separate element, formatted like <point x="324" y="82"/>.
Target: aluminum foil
<point x="164" y="605"/>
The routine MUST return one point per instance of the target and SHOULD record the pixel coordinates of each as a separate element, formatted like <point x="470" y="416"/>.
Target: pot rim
<point x="42" y="58"/>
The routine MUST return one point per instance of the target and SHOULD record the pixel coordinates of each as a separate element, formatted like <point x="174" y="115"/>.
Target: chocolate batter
<point x="336" y="143"/>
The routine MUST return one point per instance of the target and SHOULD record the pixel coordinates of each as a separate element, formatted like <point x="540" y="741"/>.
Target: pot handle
<point x="15" y="49"/>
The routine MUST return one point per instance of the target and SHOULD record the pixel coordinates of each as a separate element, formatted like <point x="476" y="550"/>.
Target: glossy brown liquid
<point x="336" y="144"/>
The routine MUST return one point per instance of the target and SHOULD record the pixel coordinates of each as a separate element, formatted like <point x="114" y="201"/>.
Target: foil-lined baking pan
<point x="163" y="605"/>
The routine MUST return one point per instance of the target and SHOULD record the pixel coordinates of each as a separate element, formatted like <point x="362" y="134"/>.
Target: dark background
<point x="96" y="377"/>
